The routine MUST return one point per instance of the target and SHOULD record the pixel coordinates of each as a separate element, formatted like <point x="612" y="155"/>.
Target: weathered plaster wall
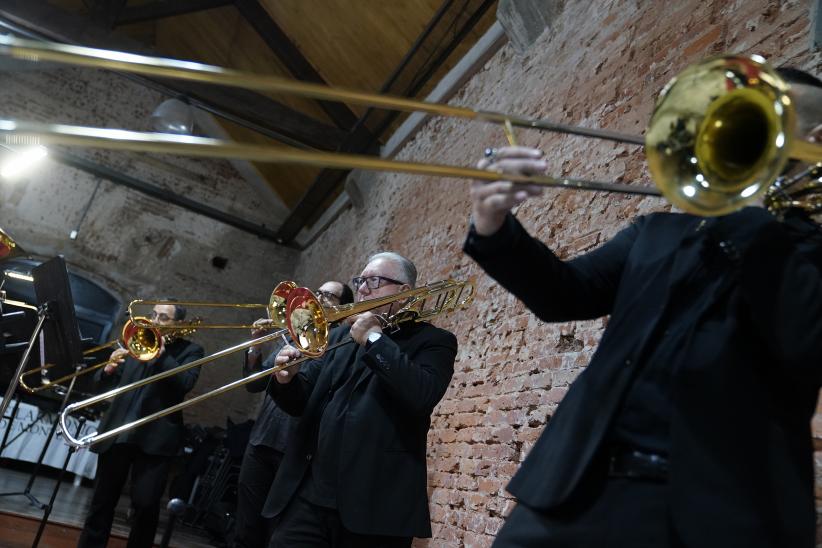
<point x="135" y="245"/>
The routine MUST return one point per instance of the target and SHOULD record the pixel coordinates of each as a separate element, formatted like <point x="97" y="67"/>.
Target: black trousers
<point x="257" y="473"/>
<point x="307" y="525"/>
<point x="617" y="513"/>
<point x="149" y="474"/>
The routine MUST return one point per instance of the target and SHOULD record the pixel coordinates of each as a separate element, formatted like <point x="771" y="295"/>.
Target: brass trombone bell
<point x="308" y="320"/>
<point x="721" y="134"/>
<point x="142" y="343"/>
<point x="275" y="308"/>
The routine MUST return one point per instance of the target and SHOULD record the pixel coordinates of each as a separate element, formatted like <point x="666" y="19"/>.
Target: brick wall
<point x="135" y="245"/>
<point x="600" y="64"/>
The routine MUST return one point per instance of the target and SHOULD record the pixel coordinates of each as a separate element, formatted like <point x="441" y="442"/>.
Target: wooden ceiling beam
<point x="165" y="8"/>
<point x="291" y="56"/>
<point x="415" y="77"/>
<point x="40" y="20"/>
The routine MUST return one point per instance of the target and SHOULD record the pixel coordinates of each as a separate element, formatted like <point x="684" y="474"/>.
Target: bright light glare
<point x="689" y="191"/>
<point x="750" y="191"/>
<point x="21" y="161"/>
<point x="18" y="275"/>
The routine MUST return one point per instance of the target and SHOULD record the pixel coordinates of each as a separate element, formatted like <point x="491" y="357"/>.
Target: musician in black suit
<point x="355" y="473"/>
<point x="690" y="427"/>
<point x="146" y="451"/>
<point x="271" y="433"/>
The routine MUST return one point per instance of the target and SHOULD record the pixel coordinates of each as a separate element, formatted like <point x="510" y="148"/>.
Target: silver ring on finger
<point x="491" y="154"/>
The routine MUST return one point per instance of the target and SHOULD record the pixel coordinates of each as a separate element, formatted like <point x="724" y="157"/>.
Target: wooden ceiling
<point x="401" y="46"/>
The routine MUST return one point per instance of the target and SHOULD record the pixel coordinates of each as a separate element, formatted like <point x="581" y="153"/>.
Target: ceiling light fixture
<point x="173" y="116"/>
<point x="19" y="161"/>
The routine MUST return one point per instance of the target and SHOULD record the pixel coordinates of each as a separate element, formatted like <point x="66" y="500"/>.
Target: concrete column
<point x="525" y="20"/>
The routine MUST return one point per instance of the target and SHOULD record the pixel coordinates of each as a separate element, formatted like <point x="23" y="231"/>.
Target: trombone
<point x="277" y="313"/>
<point x="142" y="343"/>
<point x="214" y="148"/>
<point x="417" y="305"/>
<point x="275" y="308"/>
<point x="309" y="321"/>
<point x="721" y="131"/>
<point x="8" y="247"/>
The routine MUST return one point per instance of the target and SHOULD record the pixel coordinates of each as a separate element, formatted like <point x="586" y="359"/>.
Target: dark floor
<point x="71" y="505"/>
<point x="19" y="532"/>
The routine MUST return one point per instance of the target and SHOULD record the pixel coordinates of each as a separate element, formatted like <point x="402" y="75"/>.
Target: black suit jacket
<point x="273" y="427"/>
<point x="163" y="436"/>
<point x="382" y="477"/>
<point x="744" y="385"/>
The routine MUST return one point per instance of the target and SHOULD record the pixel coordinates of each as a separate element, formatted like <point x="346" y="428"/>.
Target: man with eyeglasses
<point x="355" y="472"/>
<point x="271" y="432"/>
<point x="146" y="451"/>
<point x="334" y="293"/>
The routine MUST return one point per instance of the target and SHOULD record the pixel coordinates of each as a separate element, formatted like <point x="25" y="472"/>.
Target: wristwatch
<point x="372" y="338"/>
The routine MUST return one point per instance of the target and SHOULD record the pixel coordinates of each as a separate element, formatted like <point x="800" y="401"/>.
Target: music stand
<point x="62" y="334"/>
<point x="58" y="323"/>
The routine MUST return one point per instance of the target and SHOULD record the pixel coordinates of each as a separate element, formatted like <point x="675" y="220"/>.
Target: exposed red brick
<point x="512" y="370"/>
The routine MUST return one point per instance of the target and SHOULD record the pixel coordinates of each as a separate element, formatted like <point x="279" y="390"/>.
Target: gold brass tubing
<point x="141" y="322"/>
<point x="103" y="346"/>
<point x="36" y="50"/>
<point x="509" y="132"/>
<point x="806" y="151"/>
<point x="56" y="382"/>
<point x="308" y="321"/>
<point x="336" y="312"/>
<point x="95" y="438"/>
<point x="186" y="145"/>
